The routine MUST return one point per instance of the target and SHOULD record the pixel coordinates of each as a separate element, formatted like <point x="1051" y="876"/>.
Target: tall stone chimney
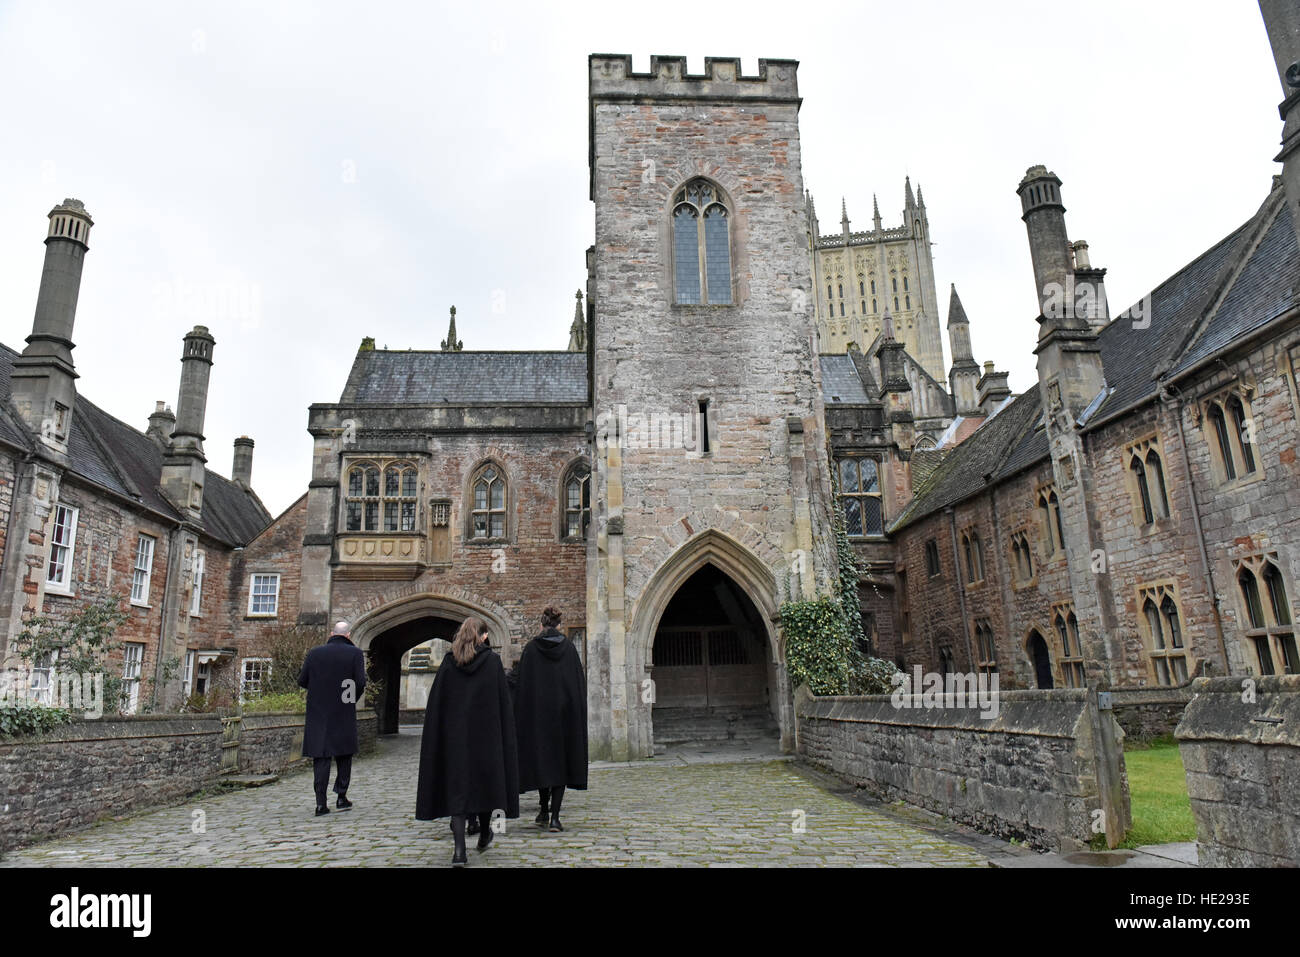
<point x="43" y="378"/>
<point x="1070" y="372"/>
<point x="183" y="465"/>
<point x="1049" y="246"/>
<point x="161" y="425"/>
<point x="1282" y="20"/>
<point x="242" y="469"/>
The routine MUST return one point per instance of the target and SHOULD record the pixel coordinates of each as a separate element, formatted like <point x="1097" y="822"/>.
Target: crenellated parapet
<point x="612" y="77"/>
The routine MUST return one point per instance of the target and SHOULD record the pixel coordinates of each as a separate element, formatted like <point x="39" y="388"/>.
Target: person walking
<point x="550" y="719"/>
<point x="468" y="763"/>
<point x="334" y="675"/>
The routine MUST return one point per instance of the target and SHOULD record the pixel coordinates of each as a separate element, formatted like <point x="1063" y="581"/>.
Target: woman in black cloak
<point x="550" y="718"/>
<point x="468" y="763"/>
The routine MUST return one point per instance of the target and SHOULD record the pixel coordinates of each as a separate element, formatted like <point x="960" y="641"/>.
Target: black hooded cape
<point x="551" y="714"/>
<point x="330" y="725"/>
<point x="467" y="753"/>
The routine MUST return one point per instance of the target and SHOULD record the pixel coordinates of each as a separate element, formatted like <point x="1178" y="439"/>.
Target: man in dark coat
<point x="551" y="718"/>
<point x="334" y="675"/>
<point x="468" y="763"/>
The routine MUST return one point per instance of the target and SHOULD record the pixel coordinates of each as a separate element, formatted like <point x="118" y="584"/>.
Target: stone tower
<point x="858" y="274"/>
<point x="706" y="393"/>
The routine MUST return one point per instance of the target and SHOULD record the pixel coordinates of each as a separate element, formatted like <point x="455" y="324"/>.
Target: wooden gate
<point x="708" y="668"/>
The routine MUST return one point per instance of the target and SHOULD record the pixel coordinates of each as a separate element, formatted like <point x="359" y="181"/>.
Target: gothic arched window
<point x="488" y="497"/>
<point x="577" y="501"/>
<point x="701" y="246"/>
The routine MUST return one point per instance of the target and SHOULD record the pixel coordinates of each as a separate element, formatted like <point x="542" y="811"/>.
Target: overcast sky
<point x="297" y="176"/>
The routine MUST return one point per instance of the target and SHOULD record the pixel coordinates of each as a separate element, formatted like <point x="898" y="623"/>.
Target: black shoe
<point x="556" y="826"/>
<point x="484" y="839"/>
<point x="458" y="859"/>
<point x="471" y="826"/>
<point x="343" y="803"/>
<point x="541" y="818"/>
<point x="322" y="809"/>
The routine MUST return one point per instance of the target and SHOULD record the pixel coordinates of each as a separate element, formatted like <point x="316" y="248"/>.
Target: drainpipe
<point x="961" y="586"/>
<point x="1196" y="521"/>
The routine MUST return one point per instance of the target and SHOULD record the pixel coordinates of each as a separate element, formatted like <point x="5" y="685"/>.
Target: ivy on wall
<point x="823" y="637"/>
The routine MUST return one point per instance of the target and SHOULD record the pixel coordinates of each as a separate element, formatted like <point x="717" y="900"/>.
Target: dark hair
<point x="550" y="616"/>
<point x="462" y="646"/>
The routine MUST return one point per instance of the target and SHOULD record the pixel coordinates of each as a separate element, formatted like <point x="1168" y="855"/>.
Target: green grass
<point x="1157" y="787"/>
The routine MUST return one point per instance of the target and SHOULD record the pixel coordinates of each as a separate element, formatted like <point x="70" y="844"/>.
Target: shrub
<point x="81" y="643"/>
<point x="16" y="721"/>
<point x="278" y="701"/>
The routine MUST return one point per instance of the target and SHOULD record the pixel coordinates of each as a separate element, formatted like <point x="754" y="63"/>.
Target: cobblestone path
<point x="647" y="814"/>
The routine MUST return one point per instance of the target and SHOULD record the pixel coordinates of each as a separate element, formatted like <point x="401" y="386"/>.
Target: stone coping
<point x="1217" y="711"/>
<point x="1040" y="713"/>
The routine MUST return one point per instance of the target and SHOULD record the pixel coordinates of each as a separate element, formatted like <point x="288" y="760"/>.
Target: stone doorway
<point x="1042" y="661"/>
<point x="384" y="661"/>
<point x="713" y="675"/>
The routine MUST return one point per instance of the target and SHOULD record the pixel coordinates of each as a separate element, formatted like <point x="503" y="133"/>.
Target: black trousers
<point x="341" y="781"/>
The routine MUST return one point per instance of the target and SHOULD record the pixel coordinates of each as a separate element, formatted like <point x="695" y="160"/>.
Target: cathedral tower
<point x="710" y="458"/>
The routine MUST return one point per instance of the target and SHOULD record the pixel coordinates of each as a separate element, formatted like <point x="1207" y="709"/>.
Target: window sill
<point x="271" y="616"/>
<point x="59" y="592"/>
<point x="140" y="604"/>
<point x="493" y="542"/>
<point x="1243" y="481"/>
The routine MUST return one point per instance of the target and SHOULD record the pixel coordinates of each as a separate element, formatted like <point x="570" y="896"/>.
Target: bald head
<point x="343" y="628"/>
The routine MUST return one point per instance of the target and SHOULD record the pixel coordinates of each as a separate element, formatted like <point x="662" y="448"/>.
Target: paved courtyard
<point x="675" y="811"/>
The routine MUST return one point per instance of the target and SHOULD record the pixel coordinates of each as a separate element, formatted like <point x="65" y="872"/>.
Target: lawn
<point x="1158" y="792"/>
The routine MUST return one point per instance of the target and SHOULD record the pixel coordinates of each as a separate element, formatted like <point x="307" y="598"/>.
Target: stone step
<point x="678" y="727"/>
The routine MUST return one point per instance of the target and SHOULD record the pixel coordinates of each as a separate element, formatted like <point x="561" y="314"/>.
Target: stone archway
<point x="1040" y="660"/>
<point x="387" y="633"/>
<point x="754" y="585"/>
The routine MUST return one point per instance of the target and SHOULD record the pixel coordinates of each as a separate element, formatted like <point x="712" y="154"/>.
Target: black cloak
<point x="467" y="753"/>
<point x="551" y="714"/>
<point x="330" y="726"/>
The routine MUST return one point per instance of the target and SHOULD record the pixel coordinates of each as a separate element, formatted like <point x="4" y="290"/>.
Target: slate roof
<point x="117" y="457"/>
<point x="381" y="377"/>
<point x="961" y="473"/>
<point x="1232" y="289"/>
<point x="841" y="382"/>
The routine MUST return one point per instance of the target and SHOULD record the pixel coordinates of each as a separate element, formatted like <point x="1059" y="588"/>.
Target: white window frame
<point x="63" y="584"/>
<point x="187" y="680"/>
<point x="262" y="675"/>
<point x="253" y="595"/>
<point x="132" y="669"/>
<point x="40" y="680"/>
<point x="196" y="580"/>
<point x="142" y="577"/>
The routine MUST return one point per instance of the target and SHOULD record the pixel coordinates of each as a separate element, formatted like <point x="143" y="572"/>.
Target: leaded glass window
<point x="701" y="246"/>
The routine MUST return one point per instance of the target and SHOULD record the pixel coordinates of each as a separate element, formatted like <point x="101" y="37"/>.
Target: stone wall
<point x="77" y="774"/>
<point x="1030" y="772"/>
<point x="1149" y="713"/>
<point x="1243" y="770"/>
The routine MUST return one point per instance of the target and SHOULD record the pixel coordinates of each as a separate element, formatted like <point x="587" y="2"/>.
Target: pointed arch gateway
<point x="704" y="630"/>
